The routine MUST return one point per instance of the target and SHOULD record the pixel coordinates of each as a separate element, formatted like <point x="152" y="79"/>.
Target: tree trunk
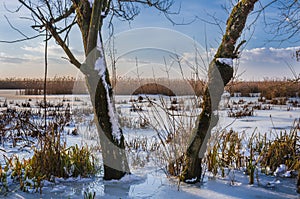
<point x="100" y="90"/>
<point x="111" y="140"/>
<point x="219" y="74"/>
<point x="110" y="134"/>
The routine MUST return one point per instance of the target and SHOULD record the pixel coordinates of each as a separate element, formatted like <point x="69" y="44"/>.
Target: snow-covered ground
<point x="150" y="183"/>
<point x="149" y="180"/>
<point x="279" y="117"/>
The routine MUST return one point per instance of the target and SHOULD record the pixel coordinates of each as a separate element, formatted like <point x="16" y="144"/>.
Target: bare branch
<point x="127" y="10"/>
<point x="163" y="6"/>
<point x="69" y="29"/>
<point x="21" y="40"/>
<point x="20" y="32"/>
<point x="286" y="25"/>
<point x="12" y="11"/>
<point x="294" y="73"/>
<point x="124" y="11"/>
<point x="39" y="17"/>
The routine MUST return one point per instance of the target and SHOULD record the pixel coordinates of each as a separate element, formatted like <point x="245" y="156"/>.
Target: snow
<point x="191" y="180"/>
<point x="287" y="174"/>
<point x="91" y="3"/>
<point x="100" y="66"/>
<point x="225" y="95"/>
<point x="227" y="61"/>
<point x="150" y="181"/>
<point x="103" y="14"/>
<point x="280" y="170"/>
<point x="128" y="178"/>
<point x="154" y="184"/>
<point x="274" y="120"/>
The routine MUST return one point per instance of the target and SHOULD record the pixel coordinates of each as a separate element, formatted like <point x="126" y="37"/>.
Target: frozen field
<point x="140" y="120"/>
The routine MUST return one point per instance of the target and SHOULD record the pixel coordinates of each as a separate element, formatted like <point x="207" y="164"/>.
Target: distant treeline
<point x="124" y="86"/>
<point x="127" y="86"/>
<point x="55" y="86"/>
<point x="268" y="88"/>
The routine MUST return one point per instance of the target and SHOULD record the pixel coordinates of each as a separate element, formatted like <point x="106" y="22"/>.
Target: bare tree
<point x="58" y="17"/>
<point x="220" y="73"/>
<point x="286" y="25"/>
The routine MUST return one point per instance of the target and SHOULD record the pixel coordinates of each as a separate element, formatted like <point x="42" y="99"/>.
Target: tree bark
<point x="113" y="147"/>
<point x="100" y="90"/>
<point x="219" y="74"/>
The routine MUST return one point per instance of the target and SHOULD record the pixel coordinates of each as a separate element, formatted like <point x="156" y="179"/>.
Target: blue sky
<point x="152" y="40"/>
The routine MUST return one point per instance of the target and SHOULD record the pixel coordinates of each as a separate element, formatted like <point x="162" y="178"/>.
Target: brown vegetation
<point x="127" y="86"/>
<point x="268" y="88"/>
<point x="154" y="88"/>
<point x="226" y="151"/>
<point x="22" y="128"/>
<point x="56" y="85"/>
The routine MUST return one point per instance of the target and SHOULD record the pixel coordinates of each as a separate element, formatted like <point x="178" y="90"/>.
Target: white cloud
<point x="4" y="58"/>
<point x="268" y="55"/>
<point x="55" y="52"/>
<point x="268" y="62"/>
<point x="257" y="63"/>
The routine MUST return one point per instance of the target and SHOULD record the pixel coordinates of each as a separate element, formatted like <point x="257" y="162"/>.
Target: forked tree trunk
<point x="219" y="74"/>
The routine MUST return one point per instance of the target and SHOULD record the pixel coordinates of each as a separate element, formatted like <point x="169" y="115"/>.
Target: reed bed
<point x="269" y="89"/>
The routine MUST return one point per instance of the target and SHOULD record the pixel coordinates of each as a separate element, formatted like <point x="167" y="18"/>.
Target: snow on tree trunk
<point x="100" y="66"/>
<point x="110" y="134"/>
<point x="89" y="20"/>
<point x="219" y="74"/>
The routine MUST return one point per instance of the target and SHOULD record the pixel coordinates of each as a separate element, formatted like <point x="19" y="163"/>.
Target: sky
<point x="150" y="45"/>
